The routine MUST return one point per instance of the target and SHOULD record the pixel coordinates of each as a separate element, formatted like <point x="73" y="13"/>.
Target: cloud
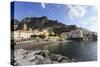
<point x="93" y="20"/>
<point x="76" y="11"/>
<point x="43" y="5"/>
<point x="91" y="23"/>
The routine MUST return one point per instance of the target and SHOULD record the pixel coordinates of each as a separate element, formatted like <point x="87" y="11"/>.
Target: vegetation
<point x="44" y="23"/>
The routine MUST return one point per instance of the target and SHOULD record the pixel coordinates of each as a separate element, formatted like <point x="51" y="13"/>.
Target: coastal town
<point x="52" y="33"/>
<point x="47" y="34"/>
<point x="31" y="33"/>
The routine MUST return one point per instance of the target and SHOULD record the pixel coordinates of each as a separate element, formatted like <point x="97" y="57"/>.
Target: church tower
<point x="25" y="27"/>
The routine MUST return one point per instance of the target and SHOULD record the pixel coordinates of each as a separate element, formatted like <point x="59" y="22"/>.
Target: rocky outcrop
<point x="38" y="23"/>
<point x="29" y="57"/>
<point x="44" y="22"/>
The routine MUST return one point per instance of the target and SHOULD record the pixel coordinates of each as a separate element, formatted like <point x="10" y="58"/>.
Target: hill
<point x="44" y="23"/>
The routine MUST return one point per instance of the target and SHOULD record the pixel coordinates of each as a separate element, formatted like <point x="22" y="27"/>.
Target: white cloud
<point x="43" y="5"/>
<point x="91" y="23"/>
<point x="76" y="11"/>
<point x="93" y="20"/>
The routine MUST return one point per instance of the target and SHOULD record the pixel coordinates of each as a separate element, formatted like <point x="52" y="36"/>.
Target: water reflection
<point x="83" y="51"/>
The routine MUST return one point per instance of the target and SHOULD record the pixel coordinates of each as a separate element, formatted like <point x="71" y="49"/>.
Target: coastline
<point x="40" y="42"/>
<point x="33" y="44"/>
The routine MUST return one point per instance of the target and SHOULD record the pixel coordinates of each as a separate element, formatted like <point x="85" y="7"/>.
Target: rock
<point x="19" y="57"/>
<point x="37" y="51"/>
<point x="20" y="51"/>
<point x="29" y="57"/>
<point x="53" y="57"/>
<point x="19" y="54"/>
<point x="47" y="61"/>
<point x="59" y="57"/>
<point x="64" y="59"/>
<point x="45" y="53"/>
<point x="39" y="59"/>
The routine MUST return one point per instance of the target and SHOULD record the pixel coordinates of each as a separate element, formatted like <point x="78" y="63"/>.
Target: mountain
<point x="52" y="25"/>
<point x="14" y="24"/>
<point x="44" y="23"/>
<point x="38" y="22"/>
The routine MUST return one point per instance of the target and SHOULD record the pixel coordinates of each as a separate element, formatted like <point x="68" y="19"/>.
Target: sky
<point x="84" y="16"/>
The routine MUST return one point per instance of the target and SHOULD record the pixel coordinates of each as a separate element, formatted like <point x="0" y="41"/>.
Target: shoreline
<point x="34" y="44"/>
<point x="40" y="42"/>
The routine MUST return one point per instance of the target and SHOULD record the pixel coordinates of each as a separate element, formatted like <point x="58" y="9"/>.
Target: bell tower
<point x="25" y="27"/>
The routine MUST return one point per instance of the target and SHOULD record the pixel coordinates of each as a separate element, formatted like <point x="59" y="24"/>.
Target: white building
<point x="26" y="34"/>
<point x="19" y="35"/>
